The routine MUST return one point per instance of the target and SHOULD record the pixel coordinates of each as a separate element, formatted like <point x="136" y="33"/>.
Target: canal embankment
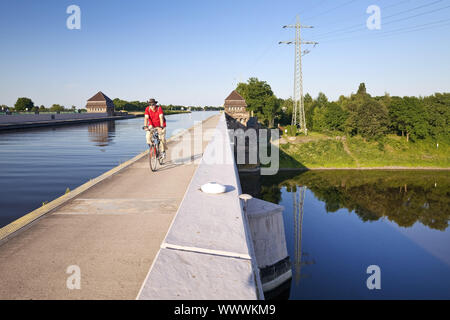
<point x="23" y="121"/>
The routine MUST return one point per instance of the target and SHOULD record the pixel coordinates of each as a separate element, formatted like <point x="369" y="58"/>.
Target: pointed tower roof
<point x="234" y="95"/>
<point x="100" y="96"/>
<point x="235" y="99"/>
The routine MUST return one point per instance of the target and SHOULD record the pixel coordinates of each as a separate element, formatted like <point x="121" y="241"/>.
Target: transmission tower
<point x="298" y="112"/>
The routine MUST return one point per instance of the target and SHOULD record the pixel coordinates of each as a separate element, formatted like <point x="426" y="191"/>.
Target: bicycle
<point x="154" y="155"/>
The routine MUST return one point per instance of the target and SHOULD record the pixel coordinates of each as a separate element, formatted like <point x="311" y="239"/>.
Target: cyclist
<point x="154" y="118"/>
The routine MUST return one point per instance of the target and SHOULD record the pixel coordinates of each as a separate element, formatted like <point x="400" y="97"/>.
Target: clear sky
<point x="194" y="52"/>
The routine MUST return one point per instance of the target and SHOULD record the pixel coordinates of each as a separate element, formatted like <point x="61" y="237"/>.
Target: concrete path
<point x="112" y="232"/>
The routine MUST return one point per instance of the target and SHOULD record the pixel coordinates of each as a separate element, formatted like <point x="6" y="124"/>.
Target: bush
<point x="291" y="130"/>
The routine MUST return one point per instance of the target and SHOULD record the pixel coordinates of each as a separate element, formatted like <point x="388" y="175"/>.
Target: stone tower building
<point x="100" y="103"/>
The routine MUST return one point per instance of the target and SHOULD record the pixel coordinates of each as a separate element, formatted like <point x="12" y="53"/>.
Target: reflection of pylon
<point x="299" y="199"/>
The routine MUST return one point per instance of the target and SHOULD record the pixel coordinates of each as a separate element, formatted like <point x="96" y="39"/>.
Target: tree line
<point x="27" y="105"/>
<point x="357" y="114"/>
<point x="24" y="104"/>
<point x="140" y="106"/>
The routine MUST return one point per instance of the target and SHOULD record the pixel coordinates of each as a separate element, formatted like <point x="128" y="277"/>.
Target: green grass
<point x="315" y="154"/>
<point x="318" y="151"/>
<point x="396" y="151"/>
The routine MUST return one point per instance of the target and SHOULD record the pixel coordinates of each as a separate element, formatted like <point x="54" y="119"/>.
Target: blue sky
<point x="194" y="52"/>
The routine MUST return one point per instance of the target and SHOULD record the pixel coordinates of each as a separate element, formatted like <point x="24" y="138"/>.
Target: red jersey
<point x="153" y="116"/>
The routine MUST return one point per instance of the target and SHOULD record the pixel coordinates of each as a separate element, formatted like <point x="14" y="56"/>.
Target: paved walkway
<point x="112" y="232"/>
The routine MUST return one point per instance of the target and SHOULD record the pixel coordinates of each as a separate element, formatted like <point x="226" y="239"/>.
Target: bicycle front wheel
<point x="153" y="158"/>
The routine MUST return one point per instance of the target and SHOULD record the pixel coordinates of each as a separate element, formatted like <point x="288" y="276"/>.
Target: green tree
<point x="335" y="117"/>
<point x="407" y="116"/>
<point x="56" y="108"/>
<point x="308" y="102"/>
<point x="321" y="100"/>
<point x="351" y="106"/>
<point x="362" y="89"/>
<point x="42" y="108"/>
<point x="437" y="115"/>
<point x="372" y="119"/>
<point x="23" y="104"/>
<point x="257" y="94"/>
<point x="270" y="107"/>
<point x="286" y="111"/>
<point x="315" y="112"/>
<point x="319" y="122"/>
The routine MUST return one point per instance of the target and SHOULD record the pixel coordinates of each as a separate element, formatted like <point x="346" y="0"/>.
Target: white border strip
<point x="206" y="251"/>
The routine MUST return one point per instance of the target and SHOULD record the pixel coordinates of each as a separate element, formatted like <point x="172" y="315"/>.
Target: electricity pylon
<point x="298" y="112"/>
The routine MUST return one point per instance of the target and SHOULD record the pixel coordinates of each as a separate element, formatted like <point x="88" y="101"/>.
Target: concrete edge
<point x="165" y="236"/>
<point x="256" y="273"/>
<point x="40" y="124"/>
<point x="391" y="168"/>
<point x="24" y="222"/>
<point x="165" y="245"/>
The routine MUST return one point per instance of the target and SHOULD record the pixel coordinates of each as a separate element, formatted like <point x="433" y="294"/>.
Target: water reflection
<point x="404" y="197"/>
<point x="102" y="133"/>
<point x="39" y="164"/>
<point x="339" y="222"/>
<point x="300" y="258"/>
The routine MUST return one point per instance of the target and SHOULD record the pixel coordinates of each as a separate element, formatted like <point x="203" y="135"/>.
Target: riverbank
<point x="319" y="151"/>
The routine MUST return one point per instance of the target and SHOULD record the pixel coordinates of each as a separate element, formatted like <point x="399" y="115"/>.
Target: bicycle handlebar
<point x="146" y="127"/>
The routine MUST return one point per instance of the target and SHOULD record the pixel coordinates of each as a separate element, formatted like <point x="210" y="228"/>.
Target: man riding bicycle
<point x="154" y="118"/>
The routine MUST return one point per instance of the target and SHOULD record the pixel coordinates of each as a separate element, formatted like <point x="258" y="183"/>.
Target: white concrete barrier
<point x="269" y="240"/>
<point x="208" y="252"/>
<point x="23" y="118"/>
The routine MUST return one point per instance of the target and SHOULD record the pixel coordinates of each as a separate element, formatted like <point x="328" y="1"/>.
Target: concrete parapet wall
<point x="22" y="118"/>
<point x="208" y="252"/>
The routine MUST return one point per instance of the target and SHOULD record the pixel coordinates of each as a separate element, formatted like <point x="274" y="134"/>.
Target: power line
<point x="403" y="30"/>
<point x="357" y="27"/>
<point x="313" y="7"/>
<point x="396" y="4"/>
<point x="271" y="44"/>
<point x="338" y="21"/>
<point x="332" y="9"/>
<point x="417" y="15"/>
<point x="385" y="23"/>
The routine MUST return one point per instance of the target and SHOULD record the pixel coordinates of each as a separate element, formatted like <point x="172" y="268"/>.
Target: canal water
<point x="38" y="165"/>
<point x="338" y="223"/>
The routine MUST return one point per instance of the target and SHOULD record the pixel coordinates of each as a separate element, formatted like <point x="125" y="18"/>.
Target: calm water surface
<point x="337" y="223"/>
<point x="38" y="165"/>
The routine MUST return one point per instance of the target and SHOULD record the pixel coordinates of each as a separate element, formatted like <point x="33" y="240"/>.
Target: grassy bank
<point x="321" y="151"/>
